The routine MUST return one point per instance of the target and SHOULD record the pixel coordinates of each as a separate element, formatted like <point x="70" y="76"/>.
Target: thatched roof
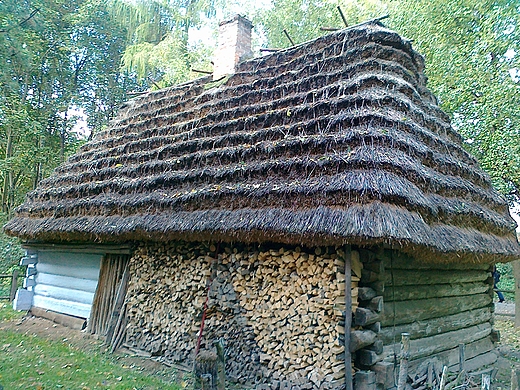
<point x="333" y="141"/>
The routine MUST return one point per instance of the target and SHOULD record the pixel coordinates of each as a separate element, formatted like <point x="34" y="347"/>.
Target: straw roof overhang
<point x="334" y="141"/>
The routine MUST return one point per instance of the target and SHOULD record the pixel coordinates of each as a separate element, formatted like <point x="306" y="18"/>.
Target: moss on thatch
<point x="334" y="141"/>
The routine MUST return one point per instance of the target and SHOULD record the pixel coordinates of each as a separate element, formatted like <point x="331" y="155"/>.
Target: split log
<point x="361" y="338"/>
<point x="365" y="316"/>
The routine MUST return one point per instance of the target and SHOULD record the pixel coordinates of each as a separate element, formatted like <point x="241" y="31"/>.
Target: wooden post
<point x="14" y="285"/>
<point x="443" y="378"/>
<point x="348" y="318"/>
<point x="462" y="359"/>
<point x="403" y="363"/>
<point x="516" y="273"/>
<point x="486" y="382"/>
<point x="515" y="379"/>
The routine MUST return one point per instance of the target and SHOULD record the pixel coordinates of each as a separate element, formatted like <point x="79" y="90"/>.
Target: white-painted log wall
<point x="66" y="282"/>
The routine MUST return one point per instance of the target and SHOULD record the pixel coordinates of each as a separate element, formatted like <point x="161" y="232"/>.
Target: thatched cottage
<point x="306" y="209"/>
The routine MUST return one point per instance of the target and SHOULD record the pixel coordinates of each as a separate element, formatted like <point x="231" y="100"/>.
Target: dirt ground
<point x="508" y="347"/>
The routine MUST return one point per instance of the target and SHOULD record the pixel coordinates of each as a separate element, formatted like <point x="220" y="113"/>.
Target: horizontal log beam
<point x="417" y="277"/>
<point x="431" y="327"/>
<point x="404" y="312"/>
<point x="400" y="260"/>
<point x="404" y="293"/>
<point x="429" y="346"/>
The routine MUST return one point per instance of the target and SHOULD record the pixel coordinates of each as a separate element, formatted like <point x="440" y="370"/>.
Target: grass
<point x="28" y="361"/>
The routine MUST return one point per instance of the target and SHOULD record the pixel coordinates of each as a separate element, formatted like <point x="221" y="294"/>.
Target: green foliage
<point x="465" y="45"/>
<point x="159" y="52"/>
<point x="507" y="280"/>
<point x="30" y="362"/>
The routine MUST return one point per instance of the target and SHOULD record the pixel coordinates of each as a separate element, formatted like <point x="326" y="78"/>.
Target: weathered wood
<point x="66" y="307"/>
<point x="116" y="315"/>
<point x="384" y="374"/>
<point x="14" y="285"/>
<point x="400" y="260"/>
<point x="76" y="265"/>
<point x="58" y="318"/>
<point x="350" y="259"/>
<point x="431" y="327"/>
<point x="404" y="356"/>
<point x="365" y="380"/>
<point x="376" y="304"/>
<point x="365" y="316"/>
<point x="366" y="293"/>
<point x="88" y="285"/>
<point x="462" y="357"/>
<point x="377" y="347"/>
<point x="375" y="327"/>
<point x="419" y="277"/>
<point x="123" y="249"/>
<point x="429" y="346"/>
<point x="361" y="338"/>
<point x="451" y="357"/>
<point x="66" y="294"/>
<point x="397" y="313"/>
<point x="367" y="358"/>
<point x="403" y="293"/>
<point x="516" y="274"/>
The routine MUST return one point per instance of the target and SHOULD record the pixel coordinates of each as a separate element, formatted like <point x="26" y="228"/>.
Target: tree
<point x="159" y="50"/>
<point x="471" y="51"/>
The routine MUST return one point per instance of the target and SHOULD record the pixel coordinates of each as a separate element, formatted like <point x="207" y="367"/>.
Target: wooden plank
<point x="516" y="274"/>
<point x="403" y="312"/>
<point x="431" y="327"/>
<point x="451" y="357"/>
<point x="81" y="266"/>
<point x="66" y="307"/>
<point x="403" y="293"/>
<point x="124" y="249"/>
<point x="88" y="285"/>
<point x="58" y="318"/>
<point x="14" y="285"/>
<point x="66" y="294"/>
<point x="437" y="277"/>
<point x="348" y="317"/>
<point x="429" y="346"/>
<point x="400" y="260"/>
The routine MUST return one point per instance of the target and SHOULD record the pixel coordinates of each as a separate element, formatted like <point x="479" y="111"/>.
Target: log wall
<point x="280" y="311"/>
<point x="441" y="306"/>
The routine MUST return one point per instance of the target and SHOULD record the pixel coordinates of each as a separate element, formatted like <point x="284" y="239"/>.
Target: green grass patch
<point x="7" y="313"/>
<point x="31" y="362"/>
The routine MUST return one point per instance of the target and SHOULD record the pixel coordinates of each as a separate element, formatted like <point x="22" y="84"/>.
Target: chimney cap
<point x="236" y="17"/>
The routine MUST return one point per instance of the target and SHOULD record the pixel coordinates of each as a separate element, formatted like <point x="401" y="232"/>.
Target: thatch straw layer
<point x="334" y="141"/>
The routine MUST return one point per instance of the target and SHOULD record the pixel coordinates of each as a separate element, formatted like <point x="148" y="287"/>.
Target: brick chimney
<point x="234" y="45"/>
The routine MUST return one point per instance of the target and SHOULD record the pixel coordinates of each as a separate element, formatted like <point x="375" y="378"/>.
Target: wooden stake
<point x="443" y="378"/>
<point x="516" y="273"/>
<point x="14" y="285"/>
<point x="486" y="382"/>
<point x="403" y="364"/>
<point x="288" y="37"/>
<point x="342" y="16"/>
<point x="462" y="359"/>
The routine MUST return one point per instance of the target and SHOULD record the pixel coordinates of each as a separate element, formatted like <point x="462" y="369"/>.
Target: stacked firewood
<point x="280" y="311"/>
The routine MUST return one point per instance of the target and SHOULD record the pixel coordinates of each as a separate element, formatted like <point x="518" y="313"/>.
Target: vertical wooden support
<point x="462" y="358"/>
<point x="348" y="318"/>
<point x="403" y="363"/>
<point x="486" y="382"/>
<point x="14" y="285"/>
<point x="516" y="273"/>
